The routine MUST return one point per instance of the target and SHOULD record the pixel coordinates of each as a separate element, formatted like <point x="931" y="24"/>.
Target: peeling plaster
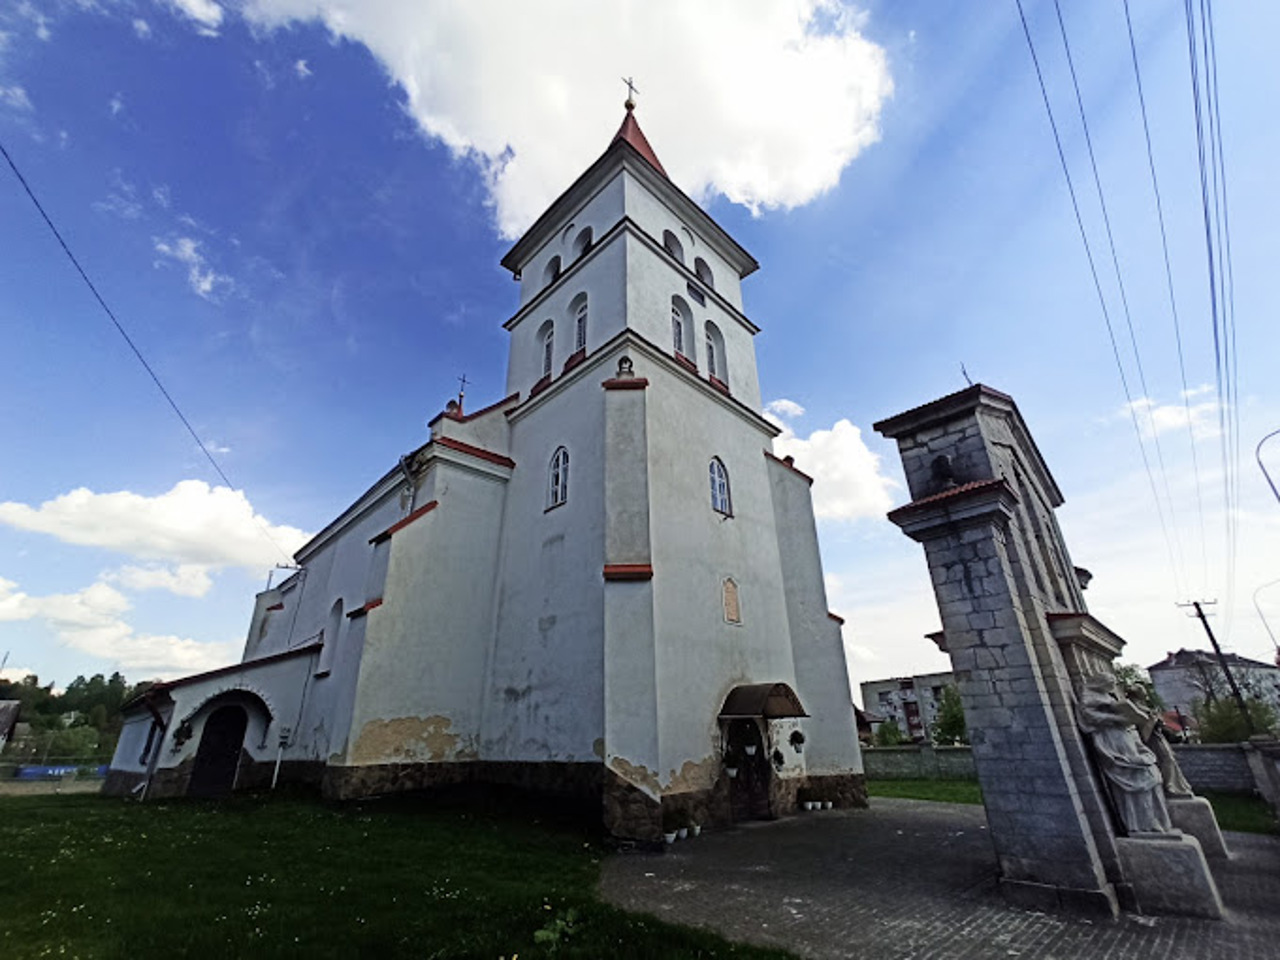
<point x="408" y="739"/>
<point x="694" y="775"/>
<point x="636" y="775"/>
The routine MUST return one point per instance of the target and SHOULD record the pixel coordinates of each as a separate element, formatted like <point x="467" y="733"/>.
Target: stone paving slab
<point x="915" y="879"/>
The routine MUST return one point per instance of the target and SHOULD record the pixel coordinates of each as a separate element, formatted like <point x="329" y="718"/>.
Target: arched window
<point x="703" y="272"/>
<point x="578" y="310"/>
<point x="729" y="596"/>
<point x="552" y="273"/>
<point x="682" y="332"/>
<point x="582" y="242"/>
<point x="547" y="344"/>
<point x="672" y="245"/>
<point x="720" y="502"/>
<point x="558" y="480"/>
<point x="716" y="365"/>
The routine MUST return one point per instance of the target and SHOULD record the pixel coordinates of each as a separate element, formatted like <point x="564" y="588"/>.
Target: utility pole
<point x="1222" y="662"/>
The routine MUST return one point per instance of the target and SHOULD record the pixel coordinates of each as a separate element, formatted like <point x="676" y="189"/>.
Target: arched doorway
<point x="218" y="756"/>
<point x="749" y="790"/>
<point x="745" y="716"/>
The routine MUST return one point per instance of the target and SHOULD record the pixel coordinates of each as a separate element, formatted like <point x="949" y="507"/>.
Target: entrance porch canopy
<point x="767" y="700"/>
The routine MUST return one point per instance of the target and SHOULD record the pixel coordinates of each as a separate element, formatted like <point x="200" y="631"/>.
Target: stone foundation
<point x="122" y="783"/>
<point x="842" y="789"/>
<point x="1169" y="875"/>
<point x="628" y="812"/>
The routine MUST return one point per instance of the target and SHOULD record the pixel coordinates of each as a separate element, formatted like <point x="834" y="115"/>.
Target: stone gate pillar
<point x="1022" y="646"/>
<point x="981" y="506"/>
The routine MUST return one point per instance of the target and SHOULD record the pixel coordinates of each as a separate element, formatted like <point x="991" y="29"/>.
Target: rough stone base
<point x="1170" y="875"/>
<point x="842" y="789"/>
<point x="1048" y="898"/>
<point x="122" y="783"/>
<point x="628" y="812"/>
<point x="170" y="781"/>
<point x="1194" y="816"/>
<point x="579" y="781"/>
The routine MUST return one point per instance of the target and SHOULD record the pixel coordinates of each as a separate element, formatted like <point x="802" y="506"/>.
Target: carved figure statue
<point x="1151" y="730"/>
<point x="1129" y="767"/>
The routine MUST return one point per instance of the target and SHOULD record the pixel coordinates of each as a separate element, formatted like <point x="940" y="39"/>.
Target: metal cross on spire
<point x="631" y="93"/>
<point x="462" y="389"/>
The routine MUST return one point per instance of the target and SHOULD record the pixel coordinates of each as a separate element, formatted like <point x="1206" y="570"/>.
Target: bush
<point x="1221" y="721"/>
<point x="949" y="728"/>
<point x="889" y="734"/>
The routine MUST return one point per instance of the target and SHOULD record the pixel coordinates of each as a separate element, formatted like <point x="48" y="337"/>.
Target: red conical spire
<point x="630" y="132"/>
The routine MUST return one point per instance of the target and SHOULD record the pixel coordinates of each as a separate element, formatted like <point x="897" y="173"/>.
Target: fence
<point x="1217" y="767"/>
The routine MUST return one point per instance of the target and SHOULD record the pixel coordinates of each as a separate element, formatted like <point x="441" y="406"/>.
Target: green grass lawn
<point x="1237" y="811"/>
<point x="945" y="791"/>
<point x="274" y="877"/>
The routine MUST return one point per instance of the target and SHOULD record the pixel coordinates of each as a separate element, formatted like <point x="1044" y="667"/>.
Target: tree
<point x="889" y="734"/>
<point x="949" y="726"/>
<point x="1220" y="720"/>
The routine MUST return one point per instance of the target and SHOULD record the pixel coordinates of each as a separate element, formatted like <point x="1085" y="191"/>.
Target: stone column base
<point x="1170" y="875"/>
<point x="1046" y="897"/>
<point x="1194" y="816"/>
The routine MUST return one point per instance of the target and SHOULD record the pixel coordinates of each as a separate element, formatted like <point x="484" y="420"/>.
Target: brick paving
<point x="914" y="879"/>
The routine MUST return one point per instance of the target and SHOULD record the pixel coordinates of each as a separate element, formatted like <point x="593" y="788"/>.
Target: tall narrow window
<point x="552" y="273"/>
<point x="682" y="329"/>
<point x="720" y="501"/>
<point x="332" y="630"/>
<point x="547" y="336"/>
<point x="580" y="323"/>
<point x="672" y="245"/>
<point x="717" y="365"/>
<point x="558" y="487"/>
<point x="582" y="243"/>
<point x="703" y="272"/>
<point x="732" y="608"/>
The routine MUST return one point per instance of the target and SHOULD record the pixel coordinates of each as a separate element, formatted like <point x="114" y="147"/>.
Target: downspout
<point x="155" y="753"/>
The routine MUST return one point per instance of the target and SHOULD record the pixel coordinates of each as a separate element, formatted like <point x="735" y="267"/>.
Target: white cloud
<point x="847" y="482"/>
<point x="783" y="409"/>
<point x="206" y="14"/>
<point x="162" y="195"/>
<point x="1156" y="419"/>
<point x="142" y="28"/>
<point x="90" y="621"/>
<point x="116" y="103"/>
<point x="301" y="69"/>
<point x="185" y="580"/>
<point x="16" y="674"/>
<point x="191" y="524"/>
<point x="38" y="19"/>
<point x="15" y="97"/>
<point x="202" y="278"/>
<point x="763" y="101"/>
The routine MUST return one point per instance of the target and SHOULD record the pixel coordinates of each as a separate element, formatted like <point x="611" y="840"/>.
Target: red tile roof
<point x="631" y="133"/>
<point x="961" y="490"/>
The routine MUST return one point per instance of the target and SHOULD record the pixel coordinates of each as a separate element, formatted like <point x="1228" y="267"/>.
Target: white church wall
<point x="133" y="740"/>
<point x="421" y="676"/>
<point x="600" y="277"/>
<point x="822" y="679"/>
<point x="654" y="217"/>
<point x="600" y="212"/>
<point x="700" y="656"/>
<point x="544" y="699"/>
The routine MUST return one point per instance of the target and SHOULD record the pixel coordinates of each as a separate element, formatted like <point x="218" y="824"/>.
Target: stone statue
<point x="1129" y="767"/>
<point x="1151" y="729"/>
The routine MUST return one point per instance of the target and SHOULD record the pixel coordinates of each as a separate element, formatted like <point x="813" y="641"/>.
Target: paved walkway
<point x="913" y="879"/>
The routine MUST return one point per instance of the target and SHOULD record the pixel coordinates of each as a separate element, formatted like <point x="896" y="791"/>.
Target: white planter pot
<point x="731" y="771"/>
<point x="670" y="837"/>
<point x="696" y="828"/>
<point x="826" y="804"/>
<point x="750" y="751"/>
<point x="683" y="833"/>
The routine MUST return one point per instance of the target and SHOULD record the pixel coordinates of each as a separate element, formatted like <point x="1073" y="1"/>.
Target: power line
<point x="1124" y="298"/>
<point x="1097" y="286"/>
<point x="127" y="339"/>
<point x="1210" y="205"/>
<point x="1173" y="302"/>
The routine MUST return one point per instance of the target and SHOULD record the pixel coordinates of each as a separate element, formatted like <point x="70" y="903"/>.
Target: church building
<point x="604" y="586"/>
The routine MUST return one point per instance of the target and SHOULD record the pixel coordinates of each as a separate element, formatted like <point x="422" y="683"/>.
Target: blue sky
<point x="297" y="210"/>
